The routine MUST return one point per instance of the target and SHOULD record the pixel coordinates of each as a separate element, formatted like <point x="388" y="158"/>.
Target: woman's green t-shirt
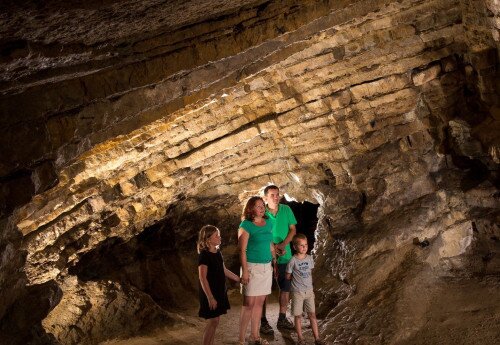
<point x="259" y="241"/>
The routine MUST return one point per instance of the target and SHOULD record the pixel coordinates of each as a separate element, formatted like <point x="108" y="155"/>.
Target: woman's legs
<point x="209" y="334"/>
<point x="246" y="313"/>
<point x="256" y="315"/>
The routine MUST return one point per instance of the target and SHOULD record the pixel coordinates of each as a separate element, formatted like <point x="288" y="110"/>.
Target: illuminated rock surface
<point x="128" y="125"/>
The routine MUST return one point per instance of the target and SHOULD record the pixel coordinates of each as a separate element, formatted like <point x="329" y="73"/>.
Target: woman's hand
<point x="245" y="278"/>
<point x="212" y="303"/>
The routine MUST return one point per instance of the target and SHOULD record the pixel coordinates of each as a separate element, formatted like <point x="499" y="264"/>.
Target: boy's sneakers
<point x="265" y="328"/>
<point x="284" y="323"/>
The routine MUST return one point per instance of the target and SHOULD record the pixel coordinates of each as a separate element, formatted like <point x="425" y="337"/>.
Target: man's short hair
<point x="268" y="188"/>
<point x="298" y="237"/>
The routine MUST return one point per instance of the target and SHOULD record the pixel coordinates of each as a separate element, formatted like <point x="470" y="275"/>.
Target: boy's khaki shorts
<point x="302" y="301"/>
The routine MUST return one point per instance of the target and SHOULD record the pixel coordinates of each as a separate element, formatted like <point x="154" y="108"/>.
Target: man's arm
<point x="291" y="232"/>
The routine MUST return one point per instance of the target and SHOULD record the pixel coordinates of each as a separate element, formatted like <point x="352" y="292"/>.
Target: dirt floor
<point x="227" y="333"/>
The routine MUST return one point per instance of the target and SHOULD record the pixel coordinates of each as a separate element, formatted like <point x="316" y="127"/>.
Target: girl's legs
<point x="298" y="326"/>
<point x="246" y="313"/>
<point x="314" y="325"/>
<point x="256" y="315"/>
<point x="209" y="334"/>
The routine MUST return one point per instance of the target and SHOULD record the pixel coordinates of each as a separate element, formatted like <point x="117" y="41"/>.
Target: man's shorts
<point x="302" y="301"/>
<point x="283" y="283"/>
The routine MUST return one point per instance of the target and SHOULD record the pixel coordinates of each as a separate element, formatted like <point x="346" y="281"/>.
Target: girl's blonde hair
<point x="203" y="236"/>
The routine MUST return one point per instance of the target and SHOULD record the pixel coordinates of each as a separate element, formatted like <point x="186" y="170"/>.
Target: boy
<point x="299" y="270"/>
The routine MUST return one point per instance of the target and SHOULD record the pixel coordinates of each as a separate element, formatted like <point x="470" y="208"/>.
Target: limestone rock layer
<point x="155" y="118"/>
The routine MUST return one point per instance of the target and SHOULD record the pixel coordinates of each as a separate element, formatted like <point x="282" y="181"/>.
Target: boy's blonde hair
<point x="203" y="236"/>
<point x="298" y="237"/>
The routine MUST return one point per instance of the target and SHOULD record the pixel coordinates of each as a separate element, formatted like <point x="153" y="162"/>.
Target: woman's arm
<point x="274" y="263"/>
<point x="202" y="272"/>
<point x="231" y="275"/>
<point x="243" y="237"/>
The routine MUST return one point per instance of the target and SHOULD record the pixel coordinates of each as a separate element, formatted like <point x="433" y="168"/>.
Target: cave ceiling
<point x="115" y="110"/>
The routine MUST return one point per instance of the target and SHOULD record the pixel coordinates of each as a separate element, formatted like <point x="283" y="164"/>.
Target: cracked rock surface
<point x="127" y="126"/>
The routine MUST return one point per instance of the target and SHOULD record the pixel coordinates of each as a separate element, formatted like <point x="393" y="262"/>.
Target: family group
<point x="264" y="238"/>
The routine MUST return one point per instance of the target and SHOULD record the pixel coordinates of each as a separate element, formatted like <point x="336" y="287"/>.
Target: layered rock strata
<point x="385" y="113"/>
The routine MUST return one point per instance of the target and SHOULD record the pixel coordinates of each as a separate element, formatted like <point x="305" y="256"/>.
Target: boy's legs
<point x="314" y="325"/>
<point x="297" y="308"/>
<point x="298" y="326"/>
<point x="309" y="307"/>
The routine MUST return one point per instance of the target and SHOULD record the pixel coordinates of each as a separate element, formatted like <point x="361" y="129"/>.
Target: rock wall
<point x="385" y="113"/>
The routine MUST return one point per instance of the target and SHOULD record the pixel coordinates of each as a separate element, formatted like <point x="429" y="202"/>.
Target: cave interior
<point x="127" y="125"/>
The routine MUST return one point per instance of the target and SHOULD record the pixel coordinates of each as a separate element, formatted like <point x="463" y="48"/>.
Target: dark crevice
<point x="306" y="214"/>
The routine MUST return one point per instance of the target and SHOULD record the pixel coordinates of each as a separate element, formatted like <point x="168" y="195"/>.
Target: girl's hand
<point x="212" y="303"/>
<point x="245" y="278"/>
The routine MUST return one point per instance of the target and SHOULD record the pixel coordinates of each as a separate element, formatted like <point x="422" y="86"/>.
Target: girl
<point x="256" y="249"/>
<point x="212" y="273"/>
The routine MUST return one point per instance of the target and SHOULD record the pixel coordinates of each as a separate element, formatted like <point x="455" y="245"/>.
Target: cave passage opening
<point x="306" y="214"/>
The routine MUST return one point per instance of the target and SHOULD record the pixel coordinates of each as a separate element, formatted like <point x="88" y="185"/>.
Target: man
<point x="283" y="232"/>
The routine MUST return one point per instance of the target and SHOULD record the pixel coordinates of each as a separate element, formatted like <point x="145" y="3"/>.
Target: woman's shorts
<point x="261" y="280"/>
<point x="302" y="301"/>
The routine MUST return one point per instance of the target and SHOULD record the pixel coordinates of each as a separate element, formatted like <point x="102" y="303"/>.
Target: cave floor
<point x="191" y="331"/>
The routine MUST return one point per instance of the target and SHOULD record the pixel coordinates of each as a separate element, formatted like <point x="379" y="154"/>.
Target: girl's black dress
<point x="217" y="281"/>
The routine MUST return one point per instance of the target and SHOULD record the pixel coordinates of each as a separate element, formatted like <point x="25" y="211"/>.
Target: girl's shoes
<point x="319" y="342"/>
<point x="260" y="341"/>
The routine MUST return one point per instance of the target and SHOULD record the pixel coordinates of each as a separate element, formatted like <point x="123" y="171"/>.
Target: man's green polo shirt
<point x="282" y="221"/>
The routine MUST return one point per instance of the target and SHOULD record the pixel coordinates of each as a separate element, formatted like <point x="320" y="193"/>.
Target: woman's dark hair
<point x="248" y="211"/>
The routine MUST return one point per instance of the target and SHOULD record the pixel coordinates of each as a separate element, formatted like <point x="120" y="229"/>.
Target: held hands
<point x="245" y="278"/>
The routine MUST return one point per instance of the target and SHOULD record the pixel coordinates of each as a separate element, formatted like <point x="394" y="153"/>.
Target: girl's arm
<point x="202" y="272"/>
<point x="231" y="275"/>
<point x="243" y="237"/>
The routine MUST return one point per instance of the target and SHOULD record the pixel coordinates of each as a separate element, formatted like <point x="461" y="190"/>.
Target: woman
<point x="257" y="255"/>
